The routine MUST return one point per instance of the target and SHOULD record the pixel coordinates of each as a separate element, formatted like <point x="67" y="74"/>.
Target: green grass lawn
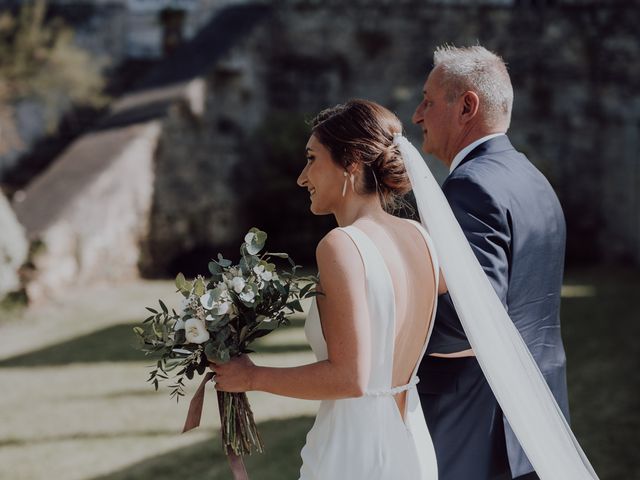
<point x="75" y="404"/>
<point x="601" y="331"/>
<point x="281" y="460"/>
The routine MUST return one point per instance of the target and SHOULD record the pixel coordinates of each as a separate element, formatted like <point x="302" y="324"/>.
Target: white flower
<point x="195" y="331"/>
<point x="217" y="300"/>
<point x="247" y="296"/>
<point x="179" y="325"/>
<point x="222" y="308"/>
<point x="238" y="284"/>
<point x="263" y="274"/>
<point x="248" y="238"/>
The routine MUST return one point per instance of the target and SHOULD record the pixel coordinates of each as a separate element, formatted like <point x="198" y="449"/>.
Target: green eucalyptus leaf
<point x="253" y="249"/>
<point x="222" y="336"/>
<point x="261" y="333"/>
<point x="245" y="266"/>
<point x="211" y="351"/>
<point x="163" y="306"/>
<point x="214" y="268"/>
<point x="278" y="254"/>
<point x="243" y="333"/>
<point x="180" y="338"/>
<point x="183" y="285"/>
<point x="295" y="306"/>
<point x="305" y="289"/>
<point x="223" y="355"/>
<point x="223" y="262"/>
<point x="255" y="240"/>
<point x="199" y="287"/>
<point x="252" y="261"/>
<point x="281" y="290"/>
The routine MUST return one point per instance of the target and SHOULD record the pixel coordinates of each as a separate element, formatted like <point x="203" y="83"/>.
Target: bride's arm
<point x="345" y="324"/>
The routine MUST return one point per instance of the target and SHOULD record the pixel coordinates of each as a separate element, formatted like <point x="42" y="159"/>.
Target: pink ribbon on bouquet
<point x="193" y="420"/>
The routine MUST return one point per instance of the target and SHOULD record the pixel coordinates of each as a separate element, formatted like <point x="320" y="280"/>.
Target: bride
<point x="370" y="327"/>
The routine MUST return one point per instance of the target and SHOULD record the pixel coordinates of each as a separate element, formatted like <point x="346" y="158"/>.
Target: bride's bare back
<point x="407" y="258"/>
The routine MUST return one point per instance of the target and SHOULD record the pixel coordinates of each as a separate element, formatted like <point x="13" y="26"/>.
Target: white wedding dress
<point x="365" y="438"/>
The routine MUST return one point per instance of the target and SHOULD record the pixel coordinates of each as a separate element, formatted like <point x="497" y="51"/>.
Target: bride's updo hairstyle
<point x="361" y="132"/>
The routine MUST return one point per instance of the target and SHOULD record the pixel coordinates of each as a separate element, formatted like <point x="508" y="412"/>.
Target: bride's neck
<point x="357" y="207"/>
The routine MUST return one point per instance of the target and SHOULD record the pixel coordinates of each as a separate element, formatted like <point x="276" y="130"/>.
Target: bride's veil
<point x="514" y="377"/>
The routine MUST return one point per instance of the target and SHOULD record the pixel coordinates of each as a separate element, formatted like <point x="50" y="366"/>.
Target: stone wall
<point x="13" y="249"/>
<point x="90" y="209"/>
<point x="226" y="145"/>
<point x="196" y="201"/>
<point x="575" y="70"/>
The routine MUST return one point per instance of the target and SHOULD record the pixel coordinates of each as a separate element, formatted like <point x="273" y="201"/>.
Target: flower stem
<point x="239" y="430"/>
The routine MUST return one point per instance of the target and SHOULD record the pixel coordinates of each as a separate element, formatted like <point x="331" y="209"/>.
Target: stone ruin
<point x="13" y="249"/>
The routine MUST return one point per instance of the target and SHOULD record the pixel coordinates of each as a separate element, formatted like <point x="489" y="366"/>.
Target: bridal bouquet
<point x="218" y="318"/>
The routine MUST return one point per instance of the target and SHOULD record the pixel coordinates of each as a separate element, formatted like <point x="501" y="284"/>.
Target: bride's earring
<point x="353" y="182"/>
<point x="344" y="186"/>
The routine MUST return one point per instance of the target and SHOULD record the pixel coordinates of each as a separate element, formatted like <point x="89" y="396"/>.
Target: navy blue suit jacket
<point x="515" y="225"/>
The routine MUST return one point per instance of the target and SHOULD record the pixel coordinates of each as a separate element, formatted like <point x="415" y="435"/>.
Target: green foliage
<point x="183" y="285"/>
<point x="218" y="320"/>
<point x="38" y="59"/>
<point x="237" y="305"/>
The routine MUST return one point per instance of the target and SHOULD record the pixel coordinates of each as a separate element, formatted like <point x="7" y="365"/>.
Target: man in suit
<point x="514" y="223"/>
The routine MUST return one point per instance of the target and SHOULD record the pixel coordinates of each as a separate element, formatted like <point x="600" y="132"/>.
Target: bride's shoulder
<point x="337" y="247"/>
<point x="339" y="263"/>
<point x="335" y="241"/>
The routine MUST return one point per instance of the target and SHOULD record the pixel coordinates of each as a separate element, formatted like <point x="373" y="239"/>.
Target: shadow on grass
<point x="283" y="441"/>
<point x="601" y="333"/>
<point x="20" y="442"/>
<point x="116" y="343"/>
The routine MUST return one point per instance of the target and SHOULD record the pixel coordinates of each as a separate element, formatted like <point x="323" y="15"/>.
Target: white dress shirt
<point x="466" y="150"/>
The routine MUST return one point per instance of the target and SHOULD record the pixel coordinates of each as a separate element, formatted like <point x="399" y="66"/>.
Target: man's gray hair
<point x="478" y="70"/>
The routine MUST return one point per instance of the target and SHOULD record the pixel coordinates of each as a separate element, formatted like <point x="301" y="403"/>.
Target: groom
<point x="514" y="223"/>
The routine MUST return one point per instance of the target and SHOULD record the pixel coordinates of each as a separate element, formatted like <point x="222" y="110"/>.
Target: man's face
<point x="437" y="118"/>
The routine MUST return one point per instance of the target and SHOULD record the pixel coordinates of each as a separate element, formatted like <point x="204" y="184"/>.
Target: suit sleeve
<point x="487" y="227"/>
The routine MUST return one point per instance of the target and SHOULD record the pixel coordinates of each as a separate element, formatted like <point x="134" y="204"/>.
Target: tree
<point x="39" y="60"/>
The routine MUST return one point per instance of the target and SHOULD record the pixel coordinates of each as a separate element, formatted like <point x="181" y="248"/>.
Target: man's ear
<point x="470" y="102"/>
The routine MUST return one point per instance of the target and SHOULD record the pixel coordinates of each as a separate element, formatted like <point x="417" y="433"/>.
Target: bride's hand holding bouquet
<point x="219" y="317"/>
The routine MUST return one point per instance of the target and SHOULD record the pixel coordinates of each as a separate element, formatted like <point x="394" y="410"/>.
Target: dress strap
<point x="431" y="248"/>
<point x="436" y="272"/>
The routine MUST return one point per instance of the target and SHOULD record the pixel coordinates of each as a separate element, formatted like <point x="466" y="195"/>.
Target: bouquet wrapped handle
<point x="193" y="420"/>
